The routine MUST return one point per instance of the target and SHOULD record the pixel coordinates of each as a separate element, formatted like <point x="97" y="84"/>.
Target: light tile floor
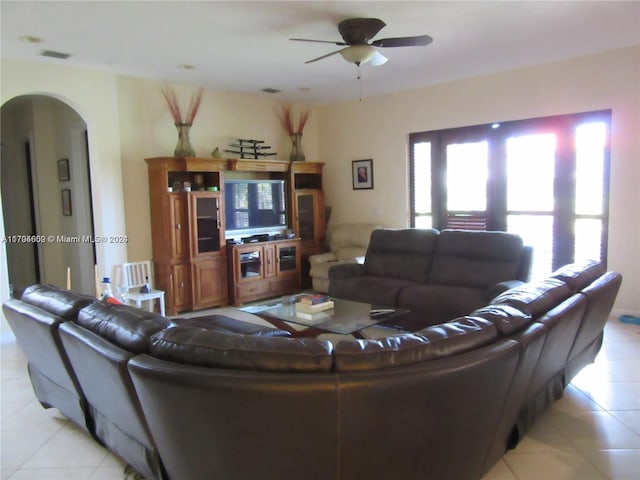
<point x="593" y="432"/>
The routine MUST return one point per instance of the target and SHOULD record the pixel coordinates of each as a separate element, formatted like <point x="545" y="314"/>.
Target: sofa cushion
<point x="433" y="304"/>
<point x="369" y="289"/>
<point x="63" y="303"/>
<point x="401" y="254"/>
<point x="535" y="298"/>
<point x="507" y="318"/>
<point x="433" y="342"/>
<point x="580" y="274"/>
<point x="210" y="348"/>
<point x="128" y="327"/>
<point x="476" y="259"/>
<point x="222" y="323"/>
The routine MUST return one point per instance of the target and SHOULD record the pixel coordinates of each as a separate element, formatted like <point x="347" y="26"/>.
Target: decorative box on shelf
<point x="249" y="165"/>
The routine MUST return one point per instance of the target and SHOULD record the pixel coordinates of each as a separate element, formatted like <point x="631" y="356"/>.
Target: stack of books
<point x="309" y="304"/>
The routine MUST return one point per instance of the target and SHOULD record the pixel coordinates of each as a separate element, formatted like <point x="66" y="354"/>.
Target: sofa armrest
<point x="345" y="270"/>
<point x="322" y="258"/>
<point x="495" y="290"/>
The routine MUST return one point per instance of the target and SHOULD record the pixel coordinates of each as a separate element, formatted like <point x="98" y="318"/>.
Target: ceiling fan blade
<point x="323" y="56"/>
<point x="357" y="31"/>
<point x="420" y="40"/>
<point x="317" y="41"/>
<point x="378" y="59"/>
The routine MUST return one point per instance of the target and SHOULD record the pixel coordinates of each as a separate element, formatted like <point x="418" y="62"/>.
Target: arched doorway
<point x="46" y="194"/>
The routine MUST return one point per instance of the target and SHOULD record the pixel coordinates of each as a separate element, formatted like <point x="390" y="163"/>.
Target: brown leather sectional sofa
<point x="219" y="398"/>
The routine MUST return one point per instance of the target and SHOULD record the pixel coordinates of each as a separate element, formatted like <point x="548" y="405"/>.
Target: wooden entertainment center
<point x="193" y="263"/>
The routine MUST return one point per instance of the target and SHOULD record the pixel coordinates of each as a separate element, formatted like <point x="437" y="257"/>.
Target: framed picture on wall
<point x="66" y="202"/>
<point x="63" y="170"/>
<point x="362" y="172"/>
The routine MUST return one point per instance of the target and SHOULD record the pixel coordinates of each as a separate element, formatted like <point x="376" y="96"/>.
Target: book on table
<point x="315" y="308"/>
<point x="313" y="318"/>
<point x="313" y="298"/>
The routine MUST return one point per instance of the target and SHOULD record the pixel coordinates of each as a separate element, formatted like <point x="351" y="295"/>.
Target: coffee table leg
<point x="282" y="325"/>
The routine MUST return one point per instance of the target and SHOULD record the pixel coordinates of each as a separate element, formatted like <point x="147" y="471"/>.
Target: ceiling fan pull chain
<point x="359" y="82"/>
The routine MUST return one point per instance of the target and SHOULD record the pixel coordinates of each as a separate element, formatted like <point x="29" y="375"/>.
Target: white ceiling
<point x="243" y="46"/>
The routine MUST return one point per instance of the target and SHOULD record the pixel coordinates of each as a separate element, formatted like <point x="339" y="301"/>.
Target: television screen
<point x="254" y="206"/>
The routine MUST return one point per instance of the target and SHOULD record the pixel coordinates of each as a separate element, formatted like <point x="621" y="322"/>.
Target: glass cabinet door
<point x="206" y="223"/>
<point x="307" y="213"/>
<point x="250" y="262"/>
<point x="306" y="216"/>
<point x="287" y="260"/>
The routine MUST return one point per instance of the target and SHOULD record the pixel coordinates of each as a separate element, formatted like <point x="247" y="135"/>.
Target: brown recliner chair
<point x="348" y="243"/>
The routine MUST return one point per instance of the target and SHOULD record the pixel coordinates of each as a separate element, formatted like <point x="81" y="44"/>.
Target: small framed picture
<point x="362" y="171"/>
<point x="66" y="202"/>
<point x="63" y="170"/>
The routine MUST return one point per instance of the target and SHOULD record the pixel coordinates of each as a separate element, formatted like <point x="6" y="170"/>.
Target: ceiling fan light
<point x="358" y="53"/>
<point x="378" y="59"/>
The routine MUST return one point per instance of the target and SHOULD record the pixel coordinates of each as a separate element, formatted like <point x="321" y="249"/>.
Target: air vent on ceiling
<point x="270" y="90"/>
<point x="54" y="54"/>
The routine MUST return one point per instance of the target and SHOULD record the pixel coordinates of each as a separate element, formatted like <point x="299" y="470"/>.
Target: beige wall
<point x="147" y="130"/>
<point x="378" y="128"/>
<point x="93" y="96"/>
<point x="128" y="121"/>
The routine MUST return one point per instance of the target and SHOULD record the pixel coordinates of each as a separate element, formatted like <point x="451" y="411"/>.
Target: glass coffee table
<point x="346" y="317"/>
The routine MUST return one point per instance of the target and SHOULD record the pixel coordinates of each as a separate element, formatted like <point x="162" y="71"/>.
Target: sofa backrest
<point x="37" y="332"/>
<point x="507" y="318"/>
<point x="193" y="345"/>
<point x="350" y="240"/>
<point x="220" y="423"/>
<point x="579" y="274"/>
<point x="225" y="324"/>
<point x="561" y="324"/>
<point x="63" y="303"/>
<point x="476" y="259"/>
<point x="127" y="327"/>
<point x="446" y="339"/>
<point x="421" y="415"/>
<point x="403" y="254"/>
<point x="100" y="366"/>
<point x="535" y="298"/>
<point x="600" y="295"/>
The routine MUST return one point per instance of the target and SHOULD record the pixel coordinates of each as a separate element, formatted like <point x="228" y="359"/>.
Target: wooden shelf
<point x="189" y="263"/>
<point x="189" y="164"/>
<point x="195" y="279"/>
<point x="274" y="274"/>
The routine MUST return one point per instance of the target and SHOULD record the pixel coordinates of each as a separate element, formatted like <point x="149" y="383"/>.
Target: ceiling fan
<point x="357" y="32"/>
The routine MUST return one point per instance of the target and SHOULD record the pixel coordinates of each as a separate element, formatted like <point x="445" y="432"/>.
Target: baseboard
<point x="618" y="312"/>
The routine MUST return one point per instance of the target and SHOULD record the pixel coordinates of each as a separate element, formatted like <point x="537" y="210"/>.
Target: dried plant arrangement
<point x="175" y="109"/>
<point x="287" y="121"/>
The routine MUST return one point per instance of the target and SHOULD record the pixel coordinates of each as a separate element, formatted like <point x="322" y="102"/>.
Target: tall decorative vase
<point x="296" y="148"/>
<point x="184" y="148"/>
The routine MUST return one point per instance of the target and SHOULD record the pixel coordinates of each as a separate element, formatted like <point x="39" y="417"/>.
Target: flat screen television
<point x="254" y="206"/>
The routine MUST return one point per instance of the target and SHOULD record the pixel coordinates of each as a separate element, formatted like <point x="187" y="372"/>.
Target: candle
<point x="97" y="280"/>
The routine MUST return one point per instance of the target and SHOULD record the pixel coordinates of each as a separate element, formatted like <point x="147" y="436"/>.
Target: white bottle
<point x="106" y="288"/>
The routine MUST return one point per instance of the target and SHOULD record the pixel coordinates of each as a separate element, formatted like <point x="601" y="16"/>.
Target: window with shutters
<point x="545" y="179"/>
